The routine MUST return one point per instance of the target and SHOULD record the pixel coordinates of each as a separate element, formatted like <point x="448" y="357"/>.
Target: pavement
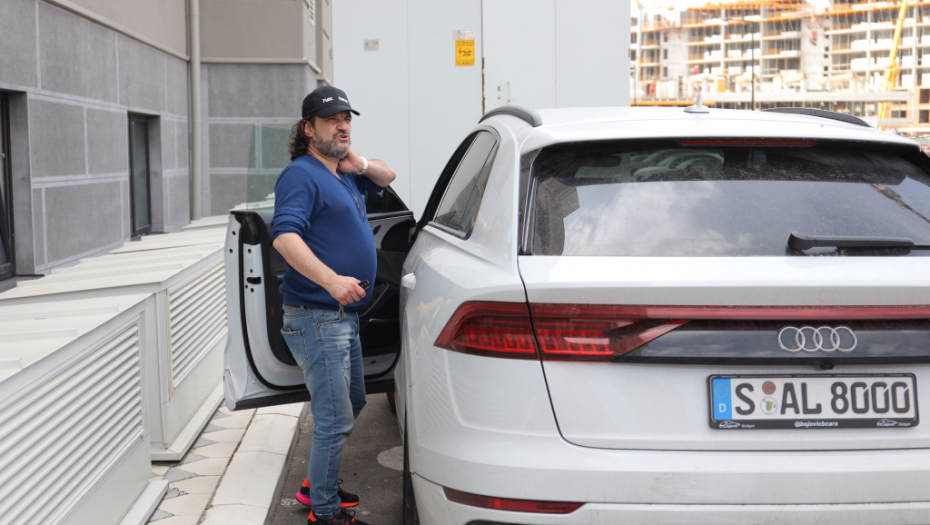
<point x="247" y="465"/>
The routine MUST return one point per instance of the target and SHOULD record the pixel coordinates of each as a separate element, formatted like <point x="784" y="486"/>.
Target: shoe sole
<point x="305" y="501"/>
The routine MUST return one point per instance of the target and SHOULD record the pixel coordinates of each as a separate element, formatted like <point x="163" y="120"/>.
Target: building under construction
<point x="869" y="59"/>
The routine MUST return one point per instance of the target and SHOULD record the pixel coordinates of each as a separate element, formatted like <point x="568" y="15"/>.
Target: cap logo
<point x="330" y="99"/>
<point x="344" y="100"/>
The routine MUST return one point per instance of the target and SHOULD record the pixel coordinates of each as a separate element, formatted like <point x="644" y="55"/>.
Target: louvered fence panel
<point x="196" y="320"/>
<point x="61" y="437"/>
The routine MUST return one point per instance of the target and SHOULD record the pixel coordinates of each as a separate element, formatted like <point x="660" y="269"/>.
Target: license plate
<point x="813" y="401"/>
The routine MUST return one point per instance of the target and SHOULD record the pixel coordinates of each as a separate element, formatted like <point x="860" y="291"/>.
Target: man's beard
<point x="330" y="149"/>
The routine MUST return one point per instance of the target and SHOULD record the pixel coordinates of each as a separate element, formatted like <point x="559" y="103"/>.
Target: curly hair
<point x="299" y="143"/>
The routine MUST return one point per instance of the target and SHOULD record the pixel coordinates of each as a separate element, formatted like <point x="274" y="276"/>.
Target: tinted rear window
<point x="706" y="201"/>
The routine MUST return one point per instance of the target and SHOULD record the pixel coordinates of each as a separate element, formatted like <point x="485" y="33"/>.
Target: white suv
<point x="639" y="316"/>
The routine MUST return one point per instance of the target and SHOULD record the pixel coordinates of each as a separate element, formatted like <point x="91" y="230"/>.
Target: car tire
<point x="410" y="514"/>
<point x="392" y="403"/>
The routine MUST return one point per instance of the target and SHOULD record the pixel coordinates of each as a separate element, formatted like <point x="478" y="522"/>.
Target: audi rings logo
<point x="823" y="339"/>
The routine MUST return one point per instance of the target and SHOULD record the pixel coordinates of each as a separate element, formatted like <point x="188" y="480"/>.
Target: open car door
<point x="259" y="368"/>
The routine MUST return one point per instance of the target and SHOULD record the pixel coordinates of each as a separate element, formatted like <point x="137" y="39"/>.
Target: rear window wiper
<point x="801" y="242"/>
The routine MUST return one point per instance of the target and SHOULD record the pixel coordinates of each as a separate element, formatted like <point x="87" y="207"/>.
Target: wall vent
<point x="64" y="435"/>
<point x="196" y="320"/>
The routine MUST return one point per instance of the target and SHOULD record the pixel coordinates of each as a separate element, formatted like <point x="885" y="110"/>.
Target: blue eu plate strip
<point x="721" y="401"/>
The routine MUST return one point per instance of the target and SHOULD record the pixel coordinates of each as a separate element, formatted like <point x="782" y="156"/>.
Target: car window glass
<point x="463" y="195"/>
<point x="383" y="201"/>
<point x="723" y="201"/>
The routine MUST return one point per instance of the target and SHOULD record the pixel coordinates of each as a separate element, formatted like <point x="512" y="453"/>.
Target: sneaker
<point x="347" y="499"/>
<point x="344" y="517"/>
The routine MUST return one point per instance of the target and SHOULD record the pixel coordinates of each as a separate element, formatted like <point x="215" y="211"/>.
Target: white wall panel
<point x="444" y="99"/>
<point x="592" y="53"/>
<point x="519" y="53"/>
<point x="376" y="81"/>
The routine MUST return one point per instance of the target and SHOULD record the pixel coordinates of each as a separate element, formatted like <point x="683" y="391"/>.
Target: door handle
<point x="409" y="281"/>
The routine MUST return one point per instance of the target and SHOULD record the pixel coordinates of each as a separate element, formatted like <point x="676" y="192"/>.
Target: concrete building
<point x="97" y="114"/>
<point x="825" y="55"/>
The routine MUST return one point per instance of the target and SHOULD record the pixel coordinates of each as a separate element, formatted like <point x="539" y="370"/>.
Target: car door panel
<point x="260" y="370"/>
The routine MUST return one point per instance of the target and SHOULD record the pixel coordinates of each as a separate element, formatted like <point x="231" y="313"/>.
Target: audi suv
<point x="639" y="316"/>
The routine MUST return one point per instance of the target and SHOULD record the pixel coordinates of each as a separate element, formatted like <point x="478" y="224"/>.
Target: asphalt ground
<point x="372" y="462"/>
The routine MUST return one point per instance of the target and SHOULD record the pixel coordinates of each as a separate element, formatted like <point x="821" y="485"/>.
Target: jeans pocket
<point x="297" y="345"/>
<point x="331" y="317"/>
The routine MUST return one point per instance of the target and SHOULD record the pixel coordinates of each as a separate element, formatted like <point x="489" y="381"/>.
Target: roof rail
<point x="822" y="113"/>
<point x="530" y="116"/>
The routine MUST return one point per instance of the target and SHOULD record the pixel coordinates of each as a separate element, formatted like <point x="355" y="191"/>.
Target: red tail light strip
<point x="517" y="505"/>
<point x="490" y="329"/>
<point x="605" y="332"/>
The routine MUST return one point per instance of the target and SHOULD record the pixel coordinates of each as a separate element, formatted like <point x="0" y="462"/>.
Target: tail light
<point x="490" y="329"/>
<point x="518" y="505"/>
<point x="555" y="332"/>
<point x="606" y="332"/>
<point x="594" y="333"/>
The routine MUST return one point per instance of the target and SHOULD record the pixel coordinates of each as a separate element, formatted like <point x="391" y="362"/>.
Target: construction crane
<point x="891" y="74"/>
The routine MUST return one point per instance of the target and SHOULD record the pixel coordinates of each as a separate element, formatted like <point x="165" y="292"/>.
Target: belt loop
<point x="342" y="314"/>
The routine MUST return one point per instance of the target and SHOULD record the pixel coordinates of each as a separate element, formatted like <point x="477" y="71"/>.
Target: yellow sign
<point x="464" y="52"/>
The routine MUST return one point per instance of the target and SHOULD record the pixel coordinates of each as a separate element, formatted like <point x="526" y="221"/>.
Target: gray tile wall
<point x="81" y="80"/>
<point x="57" y="132"/>
<point x="79" y="213"/>
<point x="76" y="56"/>
<point x="18" y="42"/>
<point x="240" y="96"/>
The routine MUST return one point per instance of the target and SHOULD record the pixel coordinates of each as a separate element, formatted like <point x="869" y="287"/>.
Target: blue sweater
<point x="329" y="215"/>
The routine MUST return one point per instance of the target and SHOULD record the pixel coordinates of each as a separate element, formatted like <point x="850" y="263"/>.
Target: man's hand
<point x="344" y="289"/>
<point x="351" y="163"/>
<point x="378" y="172"/>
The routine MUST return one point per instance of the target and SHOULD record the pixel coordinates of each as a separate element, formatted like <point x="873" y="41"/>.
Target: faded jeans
<point x="326" y="346"/>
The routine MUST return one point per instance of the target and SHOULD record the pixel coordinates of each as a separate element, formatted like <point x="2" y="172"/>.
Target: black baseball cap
<point x="326" y="101"/>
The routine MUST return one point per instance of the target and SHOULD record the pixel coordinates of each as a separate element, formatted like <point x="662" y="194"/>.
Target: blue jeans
<point x="325" y="344"/>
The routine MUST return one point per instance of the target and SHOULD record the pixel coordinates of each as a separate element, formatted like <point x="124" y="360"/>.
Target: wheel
<point x="392" y="403"/>
<point x="411" y="516"/>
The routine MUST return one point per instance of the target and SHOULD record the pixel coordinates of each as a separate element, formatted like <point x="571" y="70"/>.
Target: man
<point x="321" y="228"/>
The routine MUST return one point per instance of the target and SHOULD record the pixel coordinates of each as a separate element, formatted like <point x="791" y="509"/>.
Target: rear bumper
<point x="548" y="468"/>
<point x="435" y="509"/>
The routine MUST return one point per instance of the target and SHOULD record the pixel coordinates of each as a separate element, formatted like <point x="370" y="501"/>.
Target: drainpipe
<point x="196" y="142"/>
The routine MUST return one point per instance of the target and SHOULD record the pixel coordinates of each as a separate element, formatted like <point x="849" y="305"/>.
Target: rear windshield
<point x="728" y="201"/>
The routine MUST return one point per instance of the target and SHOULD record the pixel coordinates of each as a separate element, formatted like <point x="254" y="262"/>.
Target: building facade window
<point x="6" y="202"/>
<point x="139" y="175"/>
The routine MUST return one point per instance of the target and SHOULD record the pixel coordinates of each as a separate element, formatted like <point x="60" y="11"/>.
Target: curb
<point x="246" y="491"/>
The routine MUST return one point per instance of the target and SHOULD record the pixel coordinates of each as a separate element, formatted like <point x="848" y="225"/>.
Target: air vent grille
<point x="196" y="319"/>
<point x="64" y="435"/>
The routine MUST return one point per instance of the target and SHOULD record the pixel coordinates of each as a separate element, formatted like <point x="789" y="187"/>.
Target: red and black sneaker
<point x="347" y="499"/>
<point x="344" y="517"/>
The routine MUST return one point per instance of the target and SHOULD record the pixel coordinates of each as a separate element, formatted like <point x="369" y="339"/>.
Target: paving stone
<point x="202" y="442"/>
<point x="190" y="505"/>
<point x="220" y="415"/>
<point x="234" y="515"/>
<point x="227" y="435"/>
<point x="269" y="433"/>
<point x="153" y="477"/>
<point x="180" y="520"/>
<point x="159" y="515"/>
<point x="251" y="479"/>
<point x="211" y="428"/>
<point x="191" y="457"/>
<point x="232" y="422"/>
<point x="160" y="470"/>
<point x="216" y="450"/>
<point x="293" y="409"/>
<point x="208" y="467"/>
<point x="177" y="474"/>
<point x="172" y="493"/>
<point x="197" y="485"/>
